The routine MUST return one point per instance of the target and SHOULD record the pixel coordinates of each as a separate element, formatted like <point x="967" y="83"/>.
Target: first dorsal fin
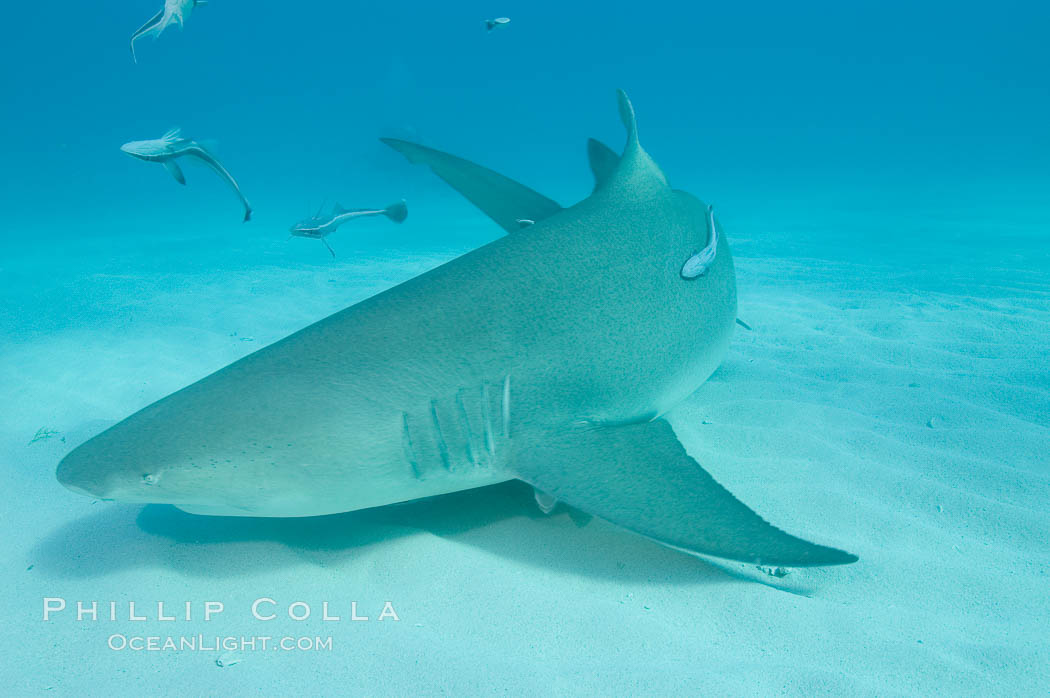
<point x="500" y="198"/>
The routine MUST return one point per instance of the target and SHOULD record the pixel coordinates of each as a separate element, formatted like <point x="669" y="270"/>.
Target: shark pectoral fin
<point x="500" y="198"/>
<point x="603" y="161"/>
<point x="176" y="171"/>
<point x="640" y="477"/>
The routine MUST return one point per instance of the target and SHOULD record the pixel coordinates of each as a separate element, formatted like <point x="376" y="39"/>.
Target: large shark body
<point x="548" y="355"/>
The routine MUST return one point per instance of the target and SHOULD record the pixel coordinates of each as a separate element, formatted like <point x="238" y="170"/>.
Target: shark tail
<point x="397" y="212"/>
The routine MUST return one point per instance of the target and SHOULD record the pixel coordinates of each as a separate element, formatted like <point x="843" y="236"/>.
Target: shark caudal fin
<point x="397" y="212"/>
<point x="640" y="477"/>
<point x="500" y="198"/>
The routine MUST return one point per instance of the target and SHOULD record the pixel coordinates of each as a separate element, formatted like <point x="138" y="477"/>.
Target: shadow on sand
<point x="501" y="520"/>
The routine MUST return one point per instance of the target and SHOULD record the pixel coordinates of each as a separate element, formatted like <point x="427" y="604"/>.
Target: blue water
<point x="887" y="104"/>
<point x="882" y="170"/>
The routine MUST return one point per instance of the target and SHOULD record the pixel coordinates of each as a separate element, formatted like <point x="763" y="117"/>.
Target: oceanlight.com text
<point x="215" y="643"/>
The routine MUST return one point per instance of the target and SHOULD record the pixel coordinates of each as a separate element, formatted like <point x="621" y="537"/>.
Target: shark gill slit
<point x="406" y="443"/>
<point x="486" y="419"/>
<point x="506" y="407"/>
<point x="467" y="433"/>
<point x="439" y="437"/>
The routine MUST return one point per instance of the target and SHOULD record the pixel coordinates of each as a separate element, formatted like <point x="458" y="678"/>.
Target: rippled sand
<point x="879" y="406"/>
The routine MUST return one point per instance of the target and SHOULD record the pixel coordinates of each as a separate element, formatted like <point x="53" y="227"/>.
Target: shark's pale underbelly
<point x="436" y="446"/>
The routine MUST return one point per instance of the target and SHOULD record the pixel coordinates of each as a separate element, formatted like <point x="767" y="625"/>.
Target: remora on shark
<point x="548" y="355"/>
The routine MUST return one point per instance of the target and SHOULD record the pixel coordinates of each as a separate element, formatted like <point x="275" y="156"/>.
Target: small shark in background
<point x="318" y="227"/>
<point x="174" y="11"/>
<point x="491" y="24"/>
<point x="171" y="146"/>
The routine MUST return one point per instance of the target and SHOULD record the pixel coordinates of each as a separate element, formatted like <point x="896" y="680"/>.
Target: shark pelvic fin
<point x="500" y="198"/>
<point x="603" y="160"/>
<point x="176" y="171"/>
<point x="640" y="477"/>
<point x="545" y="502"/>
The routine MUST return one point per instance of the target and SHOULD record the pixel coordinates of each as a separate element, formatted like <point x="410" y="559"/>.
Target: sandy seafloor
<point x="893" y="399"/>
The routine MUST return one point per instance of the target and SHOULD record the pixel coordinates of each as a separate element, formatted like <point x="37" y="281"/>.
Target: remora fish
<point x="171" y="146"/>
<point x="548" y="355"/>
<point x="174" y="12"/>
<point x="319" y="227"/>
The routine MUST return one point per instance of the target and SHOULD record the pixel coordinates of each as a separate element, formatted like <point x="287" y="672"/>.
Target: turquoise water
<point x="881" y="172"/>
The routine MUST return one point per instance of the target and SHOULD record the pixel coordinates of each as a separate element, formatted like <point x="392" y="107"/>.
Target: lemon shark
<point x="549" y="355"/>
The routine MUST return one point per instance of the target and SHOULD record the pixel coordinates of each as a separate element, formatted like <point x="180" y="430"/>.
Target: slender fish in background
<point x="174" y="11"/>
<point x="171" y="146"/>
<point x="491" y="24"/>
<point x="319" y="227"/>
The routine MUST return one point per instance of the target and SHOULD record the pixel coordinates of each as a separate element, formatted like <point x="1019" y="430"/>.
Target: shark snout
<point x="78" y="472"/>
<point x="101" y="469"/>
